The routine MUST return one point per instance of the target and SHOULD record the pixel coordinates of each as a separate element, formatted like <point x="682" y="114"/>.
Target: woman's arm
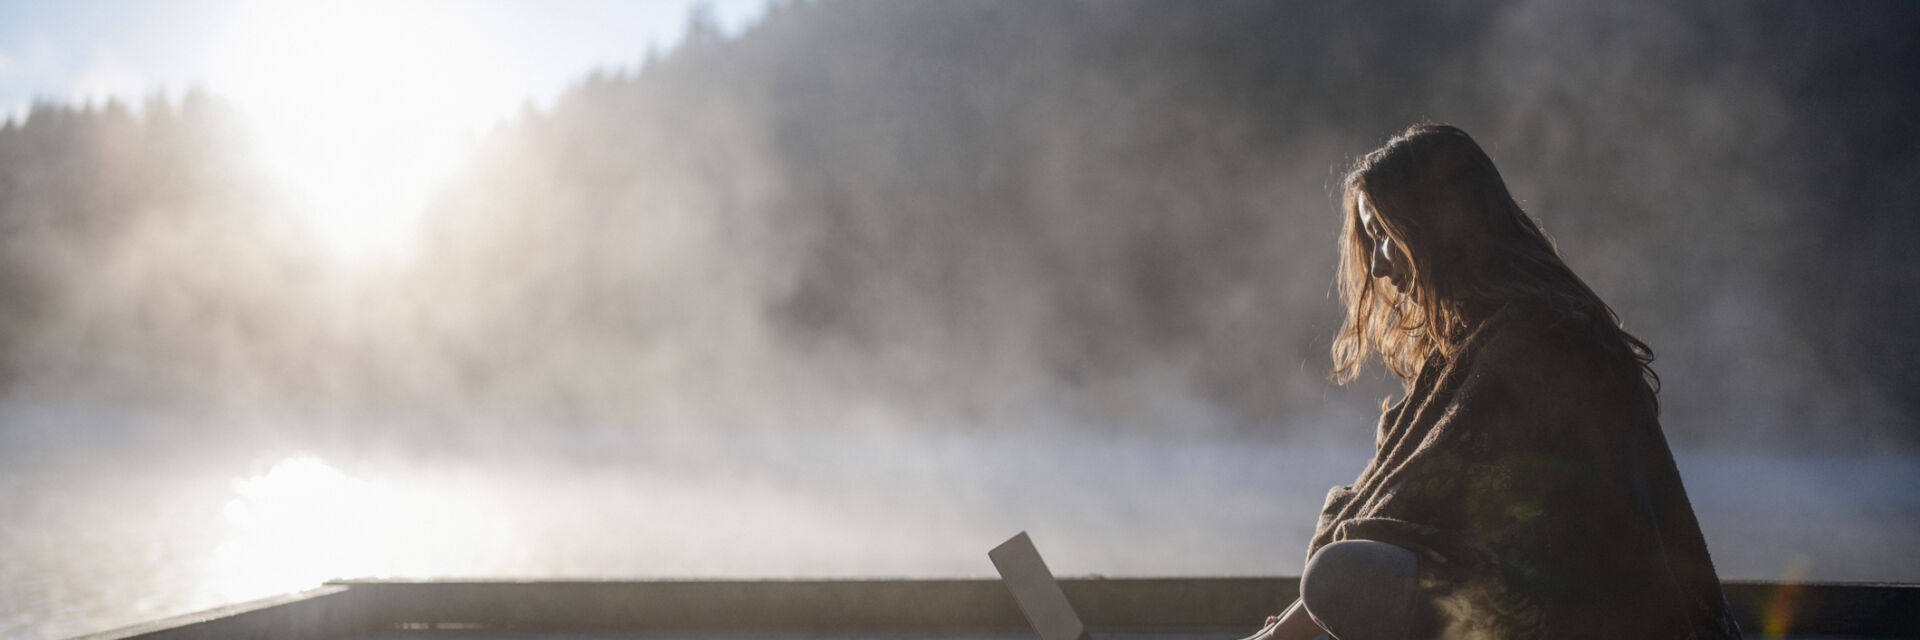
<point x="1294" y="624"/>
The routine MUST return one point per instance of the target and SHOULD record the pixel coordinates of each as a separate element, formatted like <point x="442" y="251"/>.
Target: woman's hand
<point x="1266" y="632"/>
<point x="1294" y="624"/>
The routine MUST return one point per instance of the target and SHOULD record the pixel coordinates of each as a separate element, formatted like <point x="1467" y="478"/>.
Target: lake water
<point x="108" y="525"/>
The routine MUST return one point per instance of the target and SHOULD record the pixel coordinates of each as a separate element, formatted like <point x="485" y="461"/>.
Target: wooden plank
<point x="330" y="611"/>
<point x="1143" y="604"/>
<point x="691" y="604"/>
<point x="1886" y="610"/>
<point x="1179" y="603"/>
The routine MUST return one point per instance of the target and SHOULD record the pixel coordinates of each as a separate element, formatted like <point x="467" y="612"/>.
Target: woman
<point x="1521" y="488"/>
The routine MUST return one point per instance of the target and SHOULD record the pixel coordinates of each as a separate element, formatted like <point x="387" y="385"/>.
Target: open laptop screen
<point x="1035" y="590"/>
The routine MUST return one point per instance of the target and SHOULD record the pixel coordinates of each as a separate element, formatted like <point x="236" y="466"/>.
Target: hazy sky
<point x="81" y="49"/>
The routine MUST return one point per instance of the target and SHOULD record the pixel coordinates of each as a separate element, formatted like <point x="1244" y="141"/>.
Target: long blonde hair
<point x="1470" y="249"/>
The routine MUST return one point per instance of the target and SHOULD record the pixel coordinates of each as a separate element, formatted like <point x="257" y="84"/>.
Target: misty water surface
<point x="113" y="530"/>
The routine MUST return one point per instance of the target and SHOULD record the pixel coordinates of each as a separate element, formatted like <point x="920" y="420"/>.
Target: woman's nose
<point x="1382" y="264"/>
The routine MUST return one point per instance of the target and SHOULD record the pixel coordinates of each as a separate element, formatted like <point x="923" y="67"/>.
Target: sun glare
<point x="361" y="108"/>
<point x="304" y="521"/>
<point x="298" y="524"/>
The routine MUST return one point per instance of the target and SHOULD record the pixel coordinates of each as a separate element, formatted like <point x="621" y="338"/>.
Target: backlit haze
<point x="359" y="108"/>
<point x="299" y="291"/>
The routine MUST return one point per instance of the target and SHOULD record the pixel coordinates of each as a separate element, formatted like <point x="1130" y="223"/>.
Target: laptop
<point x="1035" y="590"/>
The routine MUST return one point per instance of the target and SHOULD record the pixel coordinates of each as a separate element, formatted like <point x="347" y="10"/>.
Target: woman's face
<point x="1388" y="260"/>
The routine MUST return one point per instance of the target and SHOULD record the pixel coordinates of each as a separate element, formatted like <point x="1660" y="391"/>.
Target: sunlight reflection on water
<point x="303" y="521"/>
<point x="297" y="525"/>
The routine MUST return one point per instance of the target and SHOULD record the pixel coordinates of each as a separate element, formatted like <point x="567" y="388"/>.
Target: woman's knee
<point x="1360" y="589"/>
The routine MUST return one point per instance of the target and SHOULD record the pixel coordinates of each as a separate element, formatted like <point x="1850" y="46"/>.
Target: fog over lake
<point x="144" y="527"/>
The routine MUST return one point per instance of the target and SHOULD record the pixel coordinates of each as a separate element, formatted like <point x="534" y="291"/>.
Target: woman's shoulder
<point x="1537" y="387"/>
<point x="1529" y="343"/>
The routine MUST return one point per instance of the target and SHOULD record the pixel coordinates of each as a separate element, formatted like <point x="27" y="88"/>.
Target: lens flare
<point x="1778" y="619"/>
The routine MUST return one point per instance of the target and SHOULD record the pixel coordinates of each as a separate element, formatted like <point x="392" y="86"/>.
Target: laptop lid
<point x="1035" y="590"/>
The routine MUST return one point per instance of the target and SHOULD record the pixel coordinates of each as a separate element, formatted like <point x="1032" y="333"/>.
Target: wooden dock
<point x="1141" y="608"/>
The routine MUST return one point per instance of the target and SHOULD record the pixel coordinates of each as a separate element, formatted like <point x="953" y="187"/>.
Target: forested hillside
<point x="1010" y="215"/>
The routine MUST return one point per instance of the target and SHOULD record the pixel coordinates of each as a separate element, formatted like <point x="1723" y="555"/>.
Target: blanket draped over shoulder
<point x="1529" y="474"/>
